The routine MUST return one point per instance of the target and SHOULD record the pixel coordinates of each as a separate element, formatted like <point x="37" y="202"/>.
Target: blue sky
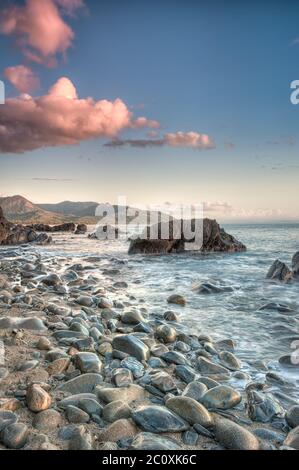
<point x="219" y="68"/>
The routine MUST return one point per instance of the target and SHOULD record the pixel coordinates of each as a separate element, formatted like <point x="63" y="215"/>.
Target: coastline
<point x="153" y="380"/>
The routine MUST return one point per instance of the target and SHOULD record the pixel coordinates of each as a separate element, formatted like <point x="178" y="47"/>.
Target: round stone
<point x="166" y="333"/>
<point x="116" y="410"/>
<point x="176" y="299"/>
<point x="47" y="420"/>
<point x="37" y="398"/>
<point x="292" y="416"/>
<point x="221" y="397"/>
<point x="190" y="410"/>
<point x="15" y="436"/>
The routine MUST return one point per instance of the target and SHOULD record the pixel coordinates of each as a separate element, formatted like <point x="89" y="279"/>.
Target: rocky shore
<point x="86" y="366"/>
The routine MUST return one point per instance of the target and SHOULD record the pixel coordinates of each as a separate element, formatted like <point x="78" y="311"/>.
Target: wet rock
<point x="185" y="373"/>
<point x="292" y="416"/>
<point x="122" y="377"/>
<point x="233" y="436"/>
<point x="229" y="360"/>
<point x="15" y="435"/>
<point x="190" y="438"/>
<point x="269" y="435"/>
<point x="85" y="383"/>
<point x="149" y="441"/>
<point x="210" y="368"/>
<point x="190" y="410"/>
<point x="81" y="439"/>
<point x="163" y="382"/>
<point x="166" y="333"/>
<point x="221" y="397"/>
<point x="176" y="299"/>
<point x="120" y="429"/>
<point x="116" y="410"/>
<point x="158" y="349"/>
<point x="76" y="415"/>
<point x="292" y="439"/>
<point x="158" y="419"/>
<point x="195" y="390"/>
<point x="174" y="357"/>
<point x="37" y="398"/>
<point x="9" y="404"/>
<point x="279" y="272"/>
<point x="47" y="420"/>
<point x="295" y="264"/>
<point x="132" y="317"/>
<point x="289" y="360"/>
<point x="7" y="418"/>
<point x="277" y="306"/>
<point x="134" y="366"/>
<point x="84" y="300"/>
<point x="127" y="394"/>
<point x="51" y="280"/>
<point x="170" y="316"/>
<point x="209" y="288"/>
<point x="262" y="407"/>
<point x="87" y="362"/>
<point x="131" y="345"/>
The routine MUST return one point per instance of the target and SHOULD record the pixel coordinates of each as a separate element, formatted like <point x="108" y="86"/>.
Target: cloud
<point x="178" y="139"/>
<point x="39" y="28"/>
<point x="60" y="118"/>
<point x="217" y="207"/>
<point x="22" y="78"/>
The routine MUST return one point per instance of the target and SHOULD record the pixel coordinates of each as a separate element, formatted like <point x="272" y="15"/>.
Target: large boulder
<point x="295" y="264"/>
<point x="214" y="238"/>
<point x="279" y="271"/>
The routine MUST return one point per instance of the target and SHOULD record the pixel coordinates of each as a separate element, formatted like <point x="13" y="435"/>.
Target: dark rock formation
<point x="81" y="229"/>
<point x="295" y="264"/>
<point x="67" y="227"/>
<point x="214" y="239"/>
<point x="279" y="272"/>
<point x="11" y="234"/>
<point x="4" y="227"/>
<point x="103" y="232"/>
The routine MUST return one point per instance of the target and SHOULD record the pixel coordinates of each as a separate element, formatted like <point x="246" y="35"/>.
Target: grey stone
<point x="15" y="436"/>
<point x="85" y="383"/>
<point x="131" y="345"/>
<point x="190" y="410"/>
<point x="87" y="362"/>
<point x="76" y="415"/>
<point x="116" y="410"/>
<point x="233" y="436"/>
<point x="149" y="441"/>
<point x="158" y="419"/>
<point x="292" y="416"/>
<point x="221" y="397"/>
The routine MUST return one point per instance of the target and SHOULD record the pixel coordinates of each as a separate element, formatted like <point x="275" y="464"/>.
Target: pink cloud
<point x="59" y="118"/>
<point x="189" y="139"/>
<point x="22" y="78"/>
<point x="39" y="28"/>
<point x="144" y="122"/>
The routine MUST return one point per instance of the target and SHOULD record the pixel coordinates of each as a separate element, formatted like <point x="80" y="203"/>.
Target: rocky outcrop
<point x="67" y="227"/>
<point x="11" y="234"/>
<point x="81" y="229"/>
<point x="214" y="239"/>
<point x="295" y="264"/>
<point x="103" y="232"/>
<point x="280" y="272"/>
<point x="4" y="227"/>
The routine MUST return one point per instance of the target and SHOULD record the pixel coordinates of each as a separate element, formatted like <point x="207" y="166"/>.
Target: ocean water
<point x="259" y="334"/>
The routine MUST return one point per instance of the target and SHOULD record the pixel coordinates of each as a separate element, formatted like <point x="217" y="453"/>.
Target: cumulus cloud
<point x="39" y="28"/>
<point x="22" y="78"/>
<point x="60" y="118"/>
<point x="217" y="206"/>
<point x="177" y="139"/>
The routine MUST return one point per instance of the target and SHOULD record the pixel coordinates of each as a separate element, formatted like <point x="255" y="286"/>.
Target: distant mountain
<point x="77" y="209"/>
<point x="18" y="209"/>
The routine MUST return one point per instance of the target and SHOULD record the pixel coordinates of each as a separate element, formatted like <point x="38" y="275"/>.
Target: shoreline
<point x="167" y="362"/>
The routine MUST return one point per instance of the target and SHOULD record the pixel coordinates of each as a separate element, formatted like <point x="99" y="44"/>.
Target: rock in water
<point x="229" y="360"/>
<point x="233" y="436"/>
<point x="190" y="410"/>
<point x="295" y="264"/>
<point x="214" y="238"/>
<point x="176" y="299"/>
<point x="221" y="397"/>
<point x="131" y="345"/>
<point x="279" y="272"/>
<point x="149" y="441"/>
<point x="158" y="419"/>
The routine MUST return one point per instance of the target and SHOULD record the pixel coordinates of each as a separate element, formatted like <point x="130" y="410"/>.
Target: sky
<point x="162" y="100"/>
